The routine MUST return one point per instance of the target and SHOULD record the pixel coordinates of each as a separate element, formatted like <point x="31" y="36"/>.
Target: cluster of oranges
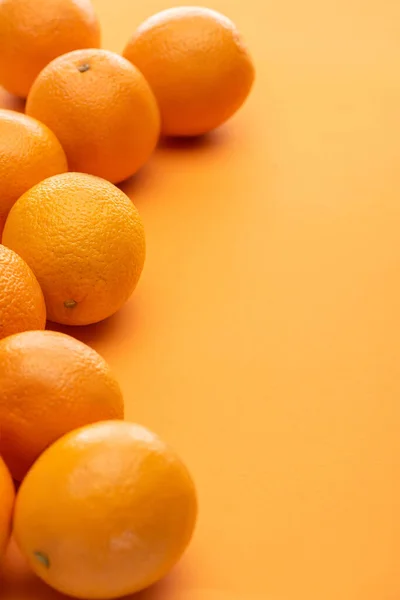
<point x="104" y="508"/>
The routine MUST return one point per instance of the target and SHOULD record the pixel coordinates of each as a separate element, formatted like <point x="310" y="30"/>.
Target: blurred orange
<point x="50" y="384"/>
<point x="6" y="506"/>
<point x="197" y="65"/>
<point x="33" y="32"/>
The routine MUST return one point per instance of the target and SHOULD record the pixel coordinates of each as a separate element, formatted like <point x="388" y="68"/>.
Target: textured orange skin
<point x="197" y="65"/>
<point x="34" y="32"/>
<point x="101" y="109"/>
<point x="50" y="384"/>
<point x="84" y="240"/>
<point x="29" y="152"/>
<point x="22" y="306"/>
<point x="7" y="495"/>
<point x="121" y="511"/>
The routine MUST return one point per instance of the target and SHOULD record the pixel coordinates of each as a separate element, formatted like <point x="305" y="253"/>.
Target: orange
<point x="33" y="32"/>
<point x="50" y="383"/>
<point x="22" y="304"/>
<point x="121" y="511"/>
<point x="29" y="152"/>
<point x="84" y="240"/>
<point x="6" y="506"/>
<point x="101" y="109"/>
<point x="197" y="65"/>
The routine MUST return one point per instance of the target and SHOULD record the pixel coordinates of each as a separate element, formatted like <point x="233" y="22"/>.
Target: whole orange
<point x="29" y="152"/>
<point x="50" y="383"/>
<point x="33" y="32"/>
<point x="121" y="511"/>
<point x="197" y="65"/>
<point x="6" y="505"/>
<point x="22" y="306"/>
<point x="102" y="110"/>
<point x="84" y="240"/>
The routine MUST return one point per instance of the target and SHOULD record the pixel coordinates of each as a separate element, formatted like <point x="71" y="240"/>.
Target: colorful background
<point x="264" y="339"/>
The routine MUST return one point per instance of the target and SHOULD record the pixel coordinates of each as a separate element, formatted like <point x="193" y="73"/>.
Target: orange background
<point x="263" y="340"/>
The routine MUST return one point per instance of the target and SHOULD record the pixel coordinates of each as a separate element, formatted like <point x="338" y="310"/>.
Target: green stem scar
<point x="43" y="559"/>
<point x="83" y="68"/>
<point x="70" y="304"/>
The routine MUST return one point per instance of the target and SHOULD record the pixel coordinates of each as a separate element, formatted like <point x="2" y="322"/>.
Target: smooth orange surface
<point x="120" y="476"/>
<point x="263" y="341"/>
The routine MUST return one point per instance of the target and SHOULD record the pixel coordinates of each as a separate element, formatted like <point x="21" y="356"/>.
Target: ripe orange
<point x="22" y="304"/>
<point x="33" y="32"/>
<point x="197" y="65"/>
<point x="101" y="109"/>
<point x="120" y="513"/>
<point x="6" y="505"/>
<point x="50" y="384"/>
<point x="29" y="152"/>
<point x="84" y="240"/>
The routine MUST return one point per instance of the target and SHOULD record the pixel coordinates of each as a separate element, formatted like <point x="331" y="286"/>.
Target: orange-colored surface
<point x="263" y="341"/>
